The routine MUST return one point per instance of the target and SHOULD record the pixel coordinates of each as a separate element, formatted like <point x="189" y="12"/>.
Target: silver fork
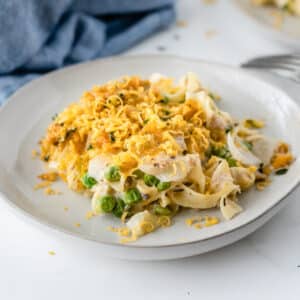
<point x="285" y="65"/>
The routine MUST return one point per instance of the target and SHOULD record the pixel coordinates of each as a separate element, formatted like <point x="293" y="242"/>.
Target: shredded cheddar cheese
<point x="126" y="120"/>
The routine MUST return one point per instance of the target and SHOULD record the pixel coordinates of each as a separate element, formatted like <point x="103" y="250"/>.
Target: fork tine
<point x="287" y="60"/>
<point x="286" y="65"/>
<point x="266" y="65"/>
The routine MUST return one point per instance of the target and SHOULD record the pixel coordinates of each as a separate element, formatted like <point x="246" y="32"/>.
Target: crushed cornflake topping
<point x="210" y="221"/>
<point x="42" y="185"/>
<point x="51" y="252"/>
<point x="51" y="192"/>
<point x="121" y="231"/>
<point x="209" y="2"/>
<point x="34" y="154"/>
<point x="191" y="221"/>
<point x="66" y="208"/>
<point x="197" y="226"/>
<point x="277" y="19"/>
<point x="210" y="33"/>
<point x="261" y="185"/>
<point x="89" y="215"/>
<point x="198" y="222"/>
<point x="50" y="176"/>
<point x="77" y="224"/>
<point x="181" y="23"/>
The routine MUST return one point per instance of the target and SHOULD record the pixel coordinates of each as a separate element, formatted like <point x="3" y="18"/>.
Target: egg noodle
<point x="144" y="149"/>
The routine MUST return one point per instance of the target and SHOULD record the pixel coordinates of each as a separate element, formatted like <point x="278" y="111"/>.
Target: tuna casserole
<point x="143" y="149"/>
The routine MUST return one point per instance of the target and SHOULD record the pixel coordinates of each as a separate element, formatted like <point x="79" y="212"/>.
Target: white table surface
<point x="265" y="265"/>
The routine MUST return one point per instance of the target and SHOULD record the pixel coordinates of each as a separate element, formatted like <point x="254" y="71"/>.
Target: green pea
<point x="161" y="186"/>
<point x="163" y="211"/>
<point x="113" y="174"/>
<point x="151" y="180"/>
<point x="107" y="203"/>
<point x="138" y="174"/>
<point x="119" y="208"/>
<point x="88" y="181"/>
<point x="131" y="196"/>
<point x="220" y="152"/>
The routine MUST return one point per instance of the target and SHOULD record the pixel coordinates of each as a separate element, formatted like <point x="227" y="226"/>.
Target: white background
<point x="265" y="265"/>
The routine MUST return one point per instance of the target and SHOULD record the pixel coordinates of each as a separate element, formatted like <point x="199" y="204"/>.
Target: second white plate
<point x="263" y="16"/>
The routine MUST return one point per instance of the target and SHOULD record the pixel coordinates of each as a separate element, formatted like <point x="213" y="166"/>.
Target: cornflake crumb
<point x="50" y="176"/>
<point x="210" y="33"/>
<point x="42" y="185"/>
<point x="66" y="208"/>
<point x="191" y="221"/>
<point x="277" y="19"/>
<point x="198" y="222"/>
<point x="197" y="226"/>
<point x="34" y="153"/>
<point x="261" y="185"/>
<point x="51" y="192"/>
<point x="210" y="221"/>
<point x="209" y="2"/>
<point x="51" y="253"/>
<point x="77" y="224"/>
<point x="181" y="23"/>
<point x="89" y="215"/>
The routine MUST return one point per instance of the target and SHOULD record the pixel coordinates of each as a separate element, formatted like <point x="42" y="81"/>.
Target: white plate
<point x="24" y="120"/>
<point x="289" y="33"/>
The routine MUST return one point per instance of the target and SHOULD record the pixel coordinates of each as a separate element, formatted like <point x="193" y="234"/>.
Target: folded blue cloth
<point x="37" y="36"/>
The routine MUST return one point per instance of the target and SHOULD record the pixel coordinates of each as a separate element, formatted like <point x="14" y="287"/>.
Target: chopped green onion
<point x="231" y="162"/>
<point x="88" y="181"/>
<point x="112" y="174"/>
<point x="211" y="95"/>
<point x="132" y="196"/>
<point x="46" y="158"/>
<point x="161" y="186"/>
<point x="163" y="211"/>
<point x="165" y="100"/>
<point x="119" y="208"/>
<point x="90" y="147"/>
<point x="54" y="117"/>
<point x="281" y="171"/>
<point x="107" y="203"/>
<point x="151" y="180"/>
<point x="223" y="152"/>
<point x="248" y="145"/>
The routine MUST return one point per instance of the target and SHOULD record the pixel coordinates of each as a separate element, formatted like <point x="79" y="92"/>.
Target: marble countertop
<point x="265" y="265"/>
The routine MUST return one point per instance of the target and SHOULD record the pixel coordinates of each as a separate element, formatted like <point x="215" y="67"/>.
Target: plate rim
<point x="57" y="228"/>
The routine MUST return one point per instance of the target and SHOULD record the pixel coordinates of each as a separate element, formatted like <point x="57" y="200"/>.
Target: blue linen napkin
<point x="37" y="36"/>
